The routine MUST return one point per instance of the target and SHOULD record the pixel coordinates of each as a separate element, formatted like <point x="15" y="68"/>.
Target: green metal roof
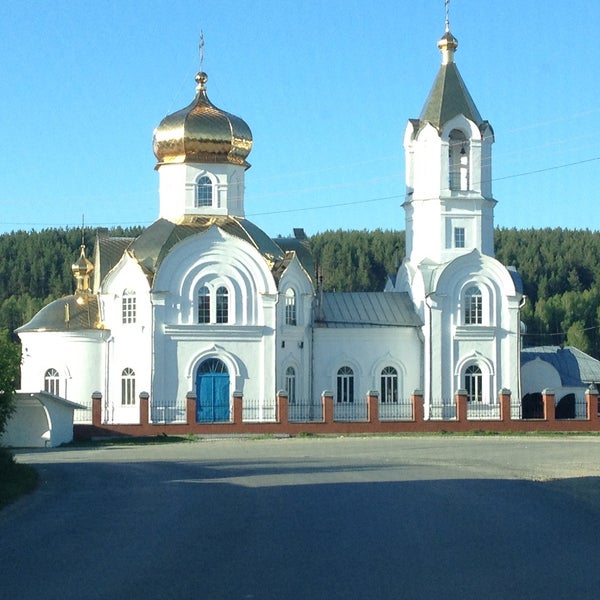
<point x="153" y="245"/>
<point x="448" y="98"/>
<point x="367" y="309"/>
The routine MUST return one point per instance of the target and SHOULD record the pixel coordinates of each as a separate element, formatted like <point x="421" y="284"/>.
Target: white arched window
<point x="389" y="385"/>
<point x="345" y="385"/>
<point x="213" y="304"/>
<point x="290" y="307"/>
<point x="127" y="387"/>
<point x="458" y="161"/>
<point x="204" y="305"/>
<point x="222" y="307"/>
<point x="204" y="192"/>
<point x="290" y="384"/>
<point x="52" y="382"/>
<point x="474" y="383"/>
<point x="473" y="306"/>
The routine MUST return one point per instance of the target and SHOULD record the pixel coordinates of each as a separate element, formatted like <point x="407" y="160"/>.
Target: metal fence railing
<point x="402" y="410"/>
<point x="257" y="411"/>
<point x="305" y="411"/>
<point x="442" y="410"/>
<point x="478" y="411"/>
<point x="350" y="411"/>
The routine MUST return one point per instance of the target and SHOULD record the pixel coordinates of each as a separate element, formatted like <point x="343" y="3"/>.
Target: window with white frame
<point x="204" y="305"/>
<point x="389" y="385"/>
<point x="345" y="385"/>
<point x="127" y="387"/>
<point x="290" y="384"/>
<point x="473" y="304"/>
<point x="213" y="304"/>
<point x="129" y="307"/>
<point x="290" y="307"/>
<point x="204" y="192"/>
<point x="222" y="307"/>
<point x="52" y="382"/>
<point x="459" y="237"/>
<point x="474" y="383"/>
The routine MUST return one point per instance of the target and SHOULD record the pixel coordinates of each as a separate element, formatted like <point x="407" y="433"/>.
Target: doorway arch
<point x="212" y="392"/>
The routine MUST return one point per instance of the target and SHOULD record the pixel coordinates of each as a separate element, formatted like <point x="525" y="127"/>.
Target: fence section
<point x="369" y="415"/>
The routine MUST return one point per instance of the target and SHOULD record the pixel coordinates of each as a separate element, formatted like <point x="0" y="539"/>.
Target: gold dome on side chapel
<point x="202" y="133"/>
<point x="82" y="270"/>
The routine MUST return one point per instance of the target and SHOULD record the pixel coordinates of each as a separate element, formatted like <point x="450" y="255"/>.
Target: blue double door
<point x="212" y="392"/>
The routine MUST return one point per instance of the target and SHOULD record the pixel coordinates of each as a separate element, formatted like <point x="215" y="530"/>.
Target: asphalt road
<point x="347" y="518"/>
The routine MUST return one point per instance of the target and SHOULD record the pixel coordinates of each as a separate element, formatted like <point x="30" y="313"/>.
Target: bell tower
<point x="449" y="204"/>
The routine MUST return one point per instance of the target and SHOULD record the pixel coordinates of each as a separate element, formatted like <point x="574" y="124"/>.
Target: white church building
<point x="204" y="304"/>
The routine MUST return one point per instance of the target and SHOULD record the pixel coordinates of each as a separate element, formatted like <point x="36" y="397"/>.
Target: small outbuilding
<point x="40" y="420"/>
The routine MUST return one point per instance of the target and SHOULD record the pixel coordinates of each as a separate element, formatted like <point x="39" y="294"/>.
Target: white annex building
<point x="203" y="303"/>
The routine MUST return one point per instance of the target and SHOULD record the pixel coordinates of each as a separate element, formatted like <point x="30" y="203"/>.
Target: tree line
<point x="559" y="268"/>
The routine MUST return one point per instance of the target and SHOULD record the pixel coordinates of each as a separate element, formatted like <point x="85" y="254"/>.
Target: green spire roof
<point x="449" y="96"/>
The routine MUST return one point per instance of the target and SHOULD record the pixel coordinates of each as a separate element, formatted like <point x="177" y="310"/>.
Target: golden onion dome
<point x="202" y="133"/>
<point x="82" y="270"/>
<point x="447" y="45"/>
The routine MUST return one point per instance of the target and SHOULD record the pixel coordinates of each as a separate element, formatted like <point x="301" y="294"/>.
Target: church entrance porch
<point x="212" y="392"/>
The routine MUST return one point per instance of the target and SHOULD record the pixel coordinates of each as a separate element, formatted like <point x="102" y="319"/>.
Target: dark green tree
<point x="10" y="359"/>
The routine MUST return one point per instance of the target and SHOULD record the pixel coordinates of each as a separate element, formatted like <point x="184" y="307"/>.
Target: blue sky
<point x="326" y="87"/>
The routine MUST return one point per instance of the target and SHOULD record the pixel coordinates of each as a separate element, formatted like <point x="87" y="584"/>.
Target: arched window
<point x="52" y="382"/>
<point x="222" y="315"/>
<point x="389" y="385"/>
<point x="290" y="384"/>
<point x="204" y="191"/>
<point x="290" y="307"/>
<point x="204" y="305"/>
<point x="213" y="304"/>
<point x="474" y="384"/>
<point x="129" y="307"/>
<point x="345" y="385"/>
<point x="127" y="387"/>
<point x="473" y="306"/>
<point x="458" y="161"/>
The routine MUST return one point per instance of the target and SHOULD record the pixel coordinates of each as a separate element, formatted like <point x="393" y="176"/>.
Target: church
<point x="205" y="305"/>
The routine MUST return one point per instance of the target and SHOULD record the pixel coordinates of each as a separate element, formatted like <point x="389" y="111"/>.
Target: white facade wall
<point x="367" y="351"/>
<point x="294" y="341"/>
<point x="128" y="348"/>
<point x="177" y="189"/>
<point x="78" y="357"/>
<point x="245" y="344"/>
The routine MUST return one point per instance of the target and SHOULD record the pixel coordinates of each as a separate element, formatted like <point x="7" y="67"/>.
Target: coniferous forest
<point x="560" y="270"/>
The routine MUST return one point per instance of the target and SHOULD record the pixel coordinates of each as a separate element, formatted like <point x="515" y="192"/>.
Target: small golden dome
<point x="202" y="133"/>
<point x="81" y="271"/>
<point x="447" y="45"/>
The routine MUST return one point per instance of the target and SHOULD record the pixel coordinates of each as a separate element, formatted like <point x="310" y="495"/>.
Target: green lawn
<point x="15" y="479"/>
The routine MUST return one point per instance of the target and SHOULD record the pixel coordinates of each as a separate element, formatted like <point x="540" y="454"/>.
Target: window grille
<point x="52" y="382"/>
<point x="345" y="385"/>
<point x="127" y="387"/>
<point x="204" y="192"/>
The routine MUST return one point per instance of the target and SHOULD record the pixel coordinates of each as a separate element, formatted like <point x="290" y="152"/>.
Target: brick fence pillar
<point x="190" y="408"/>
<point x="591" y="398"/>
<point x="237" y="408"/>
<point x="282" y="407"/>
<point x="327" y="399"/>
<point x="418" y="410"/>
<point x="549" y="405"/>
<point x="461" y="405"/>
<point x="504" y="399"/>
<point x="373" y="406"/>
<point x="144" y="408"/>
<point x="97" y="408"/>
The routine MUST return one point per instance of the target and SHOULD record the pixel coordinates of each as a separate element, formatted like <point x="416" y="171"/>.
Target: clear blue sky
<point x="326" y="87"/>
